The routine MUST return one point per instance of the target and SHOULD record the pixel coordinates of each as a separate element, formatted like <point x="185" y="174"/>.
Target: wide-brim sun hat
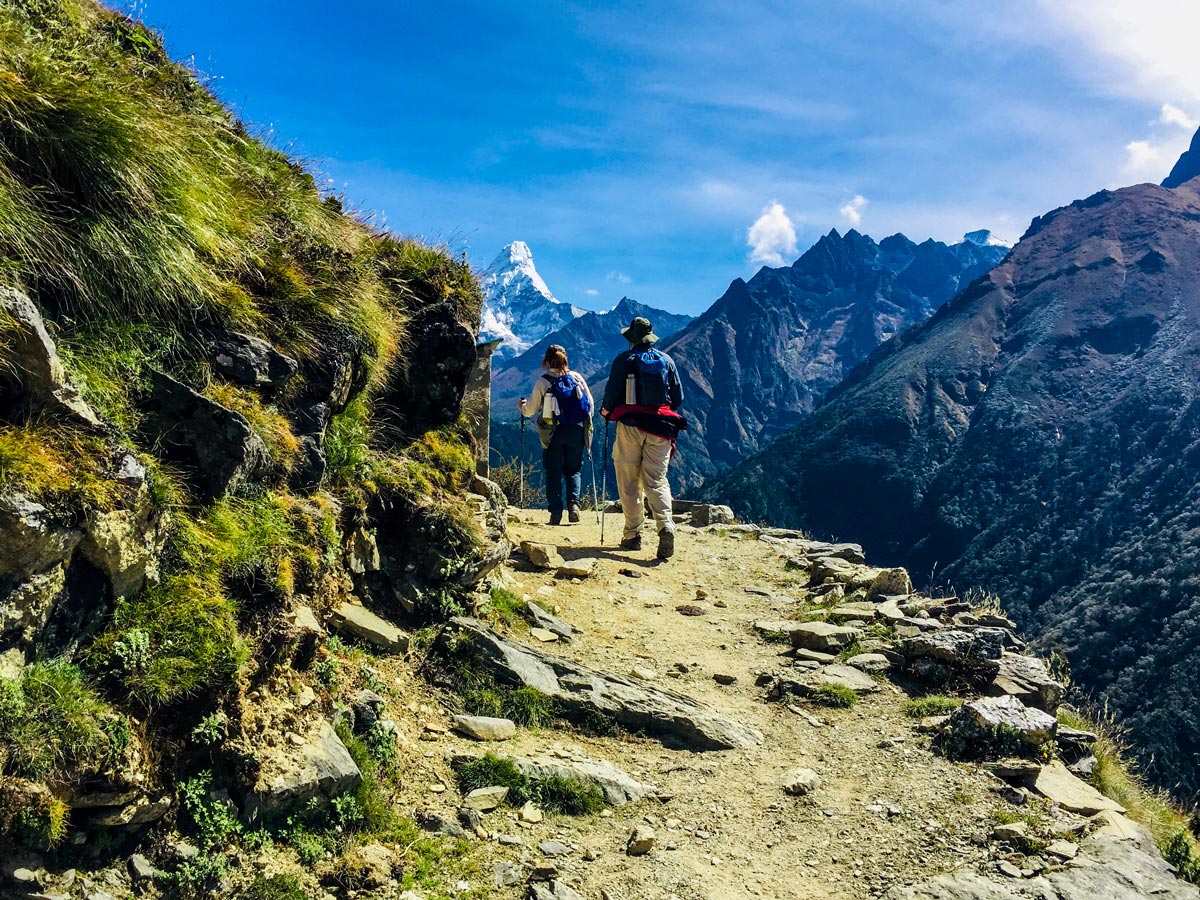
<point x="639" y="331"/>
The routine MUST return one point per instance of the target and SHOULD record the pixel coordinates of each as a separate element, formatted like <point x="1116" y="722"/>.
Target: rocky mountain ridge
<point x="1036" y="438"/>
<point x="764" y="355"/>
<point x="591" y="341"/>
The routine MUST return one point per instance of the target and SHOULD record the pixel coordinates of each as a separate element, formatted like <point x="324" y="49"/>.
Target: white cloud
<point x="772" y="237"/>
<point x="1173" y="115"/>
<point x="618" y="277"/>
<point x="592" y="292"/>
<point x="1151" y="158"/>
<point x="852" y="211"/>
<point x="1149" y="44"/>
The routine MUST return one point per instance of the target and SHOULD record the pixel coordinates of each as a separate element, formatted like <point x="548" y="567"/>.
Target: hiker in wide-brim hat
<point x="562" y="402"/>
<point x="643" y="396"/>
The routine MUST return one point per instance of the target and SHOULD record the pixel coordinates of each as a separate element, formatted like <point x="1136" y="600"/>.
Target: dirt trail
<point x="888" y="811"/>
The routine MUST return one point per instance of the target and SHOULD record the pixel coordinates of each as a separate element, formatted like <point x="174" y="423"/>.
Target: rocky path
<point x="887" y="811"/>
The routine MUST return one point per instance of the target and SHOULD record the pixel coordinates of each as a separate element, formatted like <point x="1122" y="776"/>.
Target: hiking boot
<point x="573" y="513"/>
<point x="666" y="544"/>
<point x="556" y="518"/>
<point x="633" y="543"/>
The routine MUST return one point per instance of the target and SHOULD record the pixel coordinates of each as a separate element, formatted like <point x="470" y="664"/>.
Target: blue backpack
<point x="574" y="405"/>
<point x="650" y="374"/>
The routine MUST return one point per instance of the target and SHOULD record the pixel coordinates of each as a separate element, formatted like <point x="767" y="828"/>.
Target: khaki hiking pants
<point x="641" y="463"/>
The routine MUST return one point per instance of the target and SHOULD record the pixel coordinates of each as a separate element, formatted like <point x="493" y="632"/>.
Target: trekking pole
<point x="595" y="496"/>
<point x="604" y="482"/>
<point x="521" y="465"/>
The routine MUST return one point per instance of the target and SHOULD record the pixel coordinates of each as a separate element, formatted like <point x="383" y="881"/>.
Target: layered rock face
<point x="762" y="357"/>
<point x="1038" y="437"/>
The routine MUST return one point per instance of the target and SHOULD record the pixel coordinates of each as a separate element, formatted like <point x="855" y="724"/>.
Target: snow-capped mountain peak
<point x="518" y="306"/>
<point x="984" y="238"/>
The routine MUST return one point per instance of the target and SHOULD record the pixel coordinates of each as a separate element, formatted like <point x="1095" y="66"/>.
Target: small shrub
<point x="1180" y="853"/>
<point x="53" y="722"/>
<point x="210" y="730"/>
<point x="833" y="695"/>
<point x="933" y="705"/>
<point x="43" y="827"/>
<point x="275" y="887"/>
<point x="326" y="672"/>
<point x="213" y="821"/>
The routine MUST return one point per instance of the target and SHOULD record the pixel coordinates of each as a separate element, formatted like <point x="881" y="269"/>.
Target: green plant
<point x="195" y="877"/>
<point x="529" y="707"/>
<point x="213" y="820"/>
<point x="326" y="672"/>
<point x="210" y="730"/>
<point x="490" y="770"/>
<point x="931" y="705"/>
<point x="568" y="795"/>
<point x="835" y="695"/>
<point x="53" y="722"/>
<point x="506" y="606"/>
<point x="43" y="827"/>
<point x="1180" y="852"/>
<point x="275" y="887"/>
<point x="371" y="680"/>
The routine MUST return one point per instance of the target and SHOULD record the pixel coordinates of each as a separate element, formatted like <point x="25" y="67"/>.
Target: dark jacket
<point x="665" y="420"/>
<point x="624" y="364"/>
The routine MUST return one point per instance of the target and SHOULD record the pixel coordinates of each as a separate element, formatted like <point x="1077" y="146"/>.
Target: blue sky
<point x="662" y="149"/>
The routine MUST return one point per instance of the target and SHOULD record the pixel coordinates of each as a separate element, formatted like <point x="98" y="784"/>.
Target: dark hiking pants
<point x="563" y="461"/>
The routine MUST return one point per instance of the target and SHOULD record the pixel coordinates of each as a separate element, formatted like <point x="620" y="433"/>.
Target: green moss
<point x="68" y="471"/>
<point x="54" y="723"/>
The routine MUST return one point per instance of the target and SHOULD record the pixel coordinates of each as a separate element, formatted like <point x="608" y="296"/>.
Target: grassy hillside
<point x="147" y="225"/>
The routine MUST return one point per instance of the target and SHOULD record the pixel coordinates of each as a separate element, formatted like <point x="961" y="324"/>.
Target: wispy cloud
<point x="772" y="237"/>
<point x="592" y="292"/>
<point x="1151" y="158"/>
<point x="852" y="211"/>
<point x="619" y="278"/>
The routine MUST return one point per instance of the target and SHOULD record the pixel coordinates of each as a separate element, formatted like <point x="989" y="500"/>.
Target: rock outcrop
<point x="665" y="714"/>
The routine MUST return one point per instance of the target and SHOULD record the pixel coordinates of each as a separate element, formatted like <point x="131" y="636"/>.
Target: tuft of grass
<point x="932" y="705"/>
<point x="43" y="827"/>
<point x="267" y="421"/>
<point x="569" y="796"/>
<point x="833" y="695"/>
<point x="490" y="770"/>
<point x="66" y="470"/>
<point x="274" y="887"/>
<point x="1115" y="776"/>
<point x="506" y="606"/>
<point x="53" y="723"/>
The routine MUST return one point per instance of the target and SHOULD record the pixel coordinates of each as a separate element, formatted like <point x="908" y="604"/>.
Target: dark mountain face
<point x="591" y="342"/>
<point x="763" y="356"/>
<point x="1188" y="166"/>
<point x="1040" y="437"/>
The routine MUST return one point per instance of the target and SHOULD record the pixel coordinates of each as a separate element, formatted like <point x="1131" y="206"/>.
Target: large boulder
<point x="216" y="448"/>
<point x="996" y="727"/>
<point x="428" y="391"/>
<point x="972" y="655"/>
<point x="32" y="378"/>
<point x="1029" y="680"/>
<point x="125" y="544"/>
<point x="252" y="361"/>
<point x="618" y="786"/>
<point x="31" y="539"/>
<point x="313" y="766"/>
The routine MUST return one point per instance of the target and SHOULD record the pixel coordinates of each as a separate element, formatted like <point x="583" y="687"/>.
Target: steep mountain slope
<point x="517" y="305"/>
<point x="591" y="341"/>
<point x="763" y="356"/>
<point x="1039" y="436"/>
